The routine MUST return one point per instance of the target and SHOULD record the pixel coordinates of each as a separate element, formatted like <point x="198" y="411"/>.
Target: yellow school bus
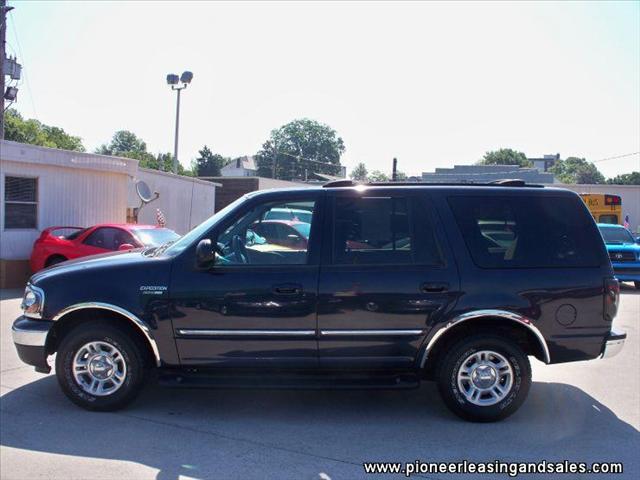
<point x="605" y="208"/>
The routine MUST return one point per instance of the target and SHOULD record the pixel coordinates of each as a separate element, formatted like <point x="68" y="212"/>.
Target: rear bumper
<point x="30" y="337"/>
<point x="613" y="344"/>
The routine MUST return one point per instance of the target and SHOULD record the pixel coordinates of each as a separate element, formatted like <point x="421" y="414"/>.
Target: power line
<point x="616" y="157"/>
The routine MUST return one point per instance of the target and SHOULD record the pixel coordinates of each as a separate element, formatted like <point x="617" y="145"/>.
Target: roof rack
<point x="507" y="182"/>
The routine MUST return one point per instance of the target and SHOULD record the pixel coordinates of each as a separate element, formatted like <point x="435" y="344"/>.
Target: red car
<point x="50" y="249"/>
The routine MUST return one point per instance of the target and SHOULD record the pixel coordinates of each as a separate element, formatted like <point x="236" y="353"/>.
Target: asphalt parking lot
<point x="588" y="411"/>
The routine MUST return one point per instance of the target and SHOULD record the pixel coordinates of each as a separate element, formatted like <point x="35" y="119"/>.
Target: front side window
<point x="527" y="231"/>
<point x="20" y="203"/>
<point x="372" y="230"/>
<point x="266" y="236"/>
<point x="109" y="238"/>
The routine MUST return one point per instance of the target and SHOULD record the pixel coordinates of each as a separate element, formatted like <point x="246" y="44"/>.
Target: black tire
<point x="455" y="399"/>
<point x="100" y="331"/>
<point x="54" y="260"/>
<point x="637" y="285"/>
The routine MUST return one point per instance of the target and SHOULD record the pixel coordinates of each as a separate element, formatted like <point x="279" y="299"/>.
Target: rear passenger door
<point x="385" y="279"/>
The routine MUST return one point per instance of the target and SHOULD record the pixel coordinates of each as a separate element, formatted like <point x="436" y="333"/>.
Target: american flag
<point x="626" y="222"/>
<point x="160" y="220"/>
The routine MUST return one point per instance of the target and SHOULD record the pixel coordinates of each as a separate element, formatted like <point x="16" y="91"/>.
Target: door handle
<point x="434" y="287"/>
<point x="287" y="289"/>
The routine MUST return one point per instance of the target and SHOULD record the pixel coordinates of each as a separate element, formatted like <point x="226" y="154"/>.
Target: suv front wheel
<point x="99" y="367"/>
<point x="484" y="378"/>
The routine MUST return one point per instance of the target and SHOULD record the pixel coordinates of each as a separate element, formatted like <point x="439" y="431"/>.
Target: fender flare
<point x="121" y="311"/>
<point x="489" y="313"/>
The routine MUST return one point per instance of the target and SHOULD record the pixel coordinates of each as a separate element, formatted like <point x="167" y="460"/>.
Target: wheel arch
<point x="70" y="316"/>
<point x="513" y="324"/>
<point x="50" y="257"/>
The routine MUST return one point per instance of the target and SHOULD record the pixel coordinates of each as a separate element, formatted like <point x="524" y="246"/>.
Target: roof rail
<point x="340" y="183"/>
<point x="510" y="182"/>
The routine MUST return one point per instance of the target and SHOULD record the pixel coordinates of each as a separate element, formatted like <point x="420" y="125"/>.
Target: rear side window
<point x="382" y="230"/>
<point x="527" y="231"/>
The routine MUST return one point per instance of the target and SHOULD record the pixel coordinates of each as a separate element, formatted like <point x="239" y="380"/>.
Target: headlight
<point x="33" y="302"/>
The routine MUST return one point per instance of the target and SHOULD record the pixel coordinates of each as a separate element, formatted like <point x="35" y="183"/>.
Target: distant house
<point x="240" y="167"/>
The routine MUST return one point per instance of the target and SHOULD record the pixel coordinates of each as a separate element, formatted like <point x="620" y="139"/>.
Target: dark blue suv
<point x="392" y="285"/>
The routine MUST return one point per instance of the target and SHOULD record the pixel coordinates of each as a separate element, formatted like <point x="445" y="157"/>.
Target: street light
<point x="174" y="81"/>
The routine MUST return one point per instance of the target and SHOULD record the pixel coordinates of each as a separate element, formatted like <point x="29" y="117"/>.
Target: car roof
<point x="468" y="188"/>
<point x="126" y="226"/>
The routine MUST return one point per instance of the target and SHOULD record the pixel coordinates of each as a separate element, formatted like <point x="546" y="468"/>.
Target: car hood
<point x="92" y="262"/>
<point x="624" y="247"/>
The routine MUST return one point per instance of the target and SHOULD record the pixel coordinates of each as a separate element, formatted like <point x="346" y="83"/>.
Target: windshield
<point x="201" y="229"/>
<point x="616" y="235"/>
<point x="153" y="237"/>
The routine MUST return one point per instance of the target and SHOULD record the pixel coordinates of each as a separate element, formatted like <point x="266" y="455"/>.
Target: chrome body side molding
<point x="476" y="314"/>
<point x="367" y="333"/>
<point x="113" y="308"/>
<point x="205" y="332"/>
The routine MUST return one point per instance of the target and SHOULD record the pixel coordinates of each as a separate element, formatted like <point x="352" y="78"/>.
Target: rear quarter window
<point x="527" y="231"/>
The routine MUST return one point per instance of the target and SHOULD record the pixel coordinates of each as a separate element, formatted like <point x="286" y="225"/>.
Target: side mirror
<point x="125" y="246"/>
<point x="205" y="253"/>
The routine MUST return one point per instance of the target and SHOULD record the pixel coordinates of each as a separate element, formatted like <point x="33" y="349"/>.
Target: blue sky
<point x="433" y="84"/>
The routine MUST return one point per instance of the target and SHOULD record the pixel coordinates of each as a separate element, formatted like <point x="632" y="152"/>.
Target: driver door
<point x="256" y="306"/>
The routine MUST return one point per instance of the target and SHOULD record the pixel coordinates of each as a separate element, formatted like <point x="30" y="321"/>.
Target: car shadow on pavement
<point x="270" y="434"/>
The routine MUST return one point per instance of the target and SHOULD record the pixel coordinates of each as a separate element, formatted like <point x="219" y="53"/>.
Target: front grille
<point x="622" y="256"/>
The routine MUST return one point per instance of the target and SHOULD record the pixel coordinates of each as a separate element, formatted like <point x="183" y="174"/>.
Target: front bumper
<point x="613" y="344"/>
<point x="626" y="272"/>
<point x="30" y="338"/>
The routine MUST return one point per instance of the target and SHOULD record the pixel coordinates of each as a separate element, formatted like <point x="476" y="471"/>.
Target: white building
<point x="43" y="187"/>
<point x="240" y="167"/>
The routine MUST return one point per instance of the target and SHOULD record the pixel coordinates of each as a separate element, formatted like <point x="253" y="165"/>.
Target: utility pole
<point x="3" y="55"/>
<point x="173" y="80"/>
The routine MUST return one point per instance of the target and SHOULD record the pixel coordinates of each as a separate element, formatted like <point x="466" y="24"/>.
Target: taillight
<point x="612" y="200"/>
<point x="611" y="298"/>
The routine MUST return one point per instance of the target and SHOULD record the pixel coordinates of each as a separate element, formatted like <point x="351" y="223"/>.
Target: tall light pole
<point x="174" y="81"/>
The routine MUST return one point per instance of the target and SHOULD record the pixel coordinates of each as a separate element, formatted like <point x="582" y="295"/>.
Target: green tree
<point x="208" y="164"/>
<point x="359" y="172"/>
<point x="378" y="176"/>
<point x="124" y="144"/>
<point x="33" y="132"/>
<point x="576" y="170"/>
<point x="401" y="176"/>
<point x="300" y="146"/>
<point x="632" y="178"/>
<point x="505" y="156"/>
<point x="127" y="144"/>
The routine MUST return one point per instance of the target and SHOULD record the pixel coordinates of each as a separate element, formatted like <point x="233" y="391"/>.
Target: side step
<point x="288" y="381"/>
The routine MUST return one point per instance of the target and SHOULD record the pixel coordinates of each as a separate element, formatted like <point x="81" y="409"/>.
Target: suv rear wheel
<point x="484" y="378"/>
<point x="99" y="367"/>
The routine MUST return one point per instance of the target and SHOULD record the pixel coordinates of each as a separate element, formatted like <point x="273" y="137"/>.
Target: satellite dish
<point x="143" y="191"/>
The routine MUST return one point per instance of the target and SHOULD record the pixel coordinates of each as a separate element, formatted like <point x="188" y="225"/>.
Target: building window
<point x="20" y="203"/>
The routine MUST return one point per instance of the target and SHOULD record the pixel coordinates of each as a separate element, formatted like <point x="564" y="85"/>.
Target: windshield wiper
<point x="162" y="247"/>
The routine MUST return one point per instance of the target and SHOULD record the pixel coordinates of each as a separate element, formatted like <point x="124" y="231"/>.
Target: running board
<point x="283" y="381"/>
